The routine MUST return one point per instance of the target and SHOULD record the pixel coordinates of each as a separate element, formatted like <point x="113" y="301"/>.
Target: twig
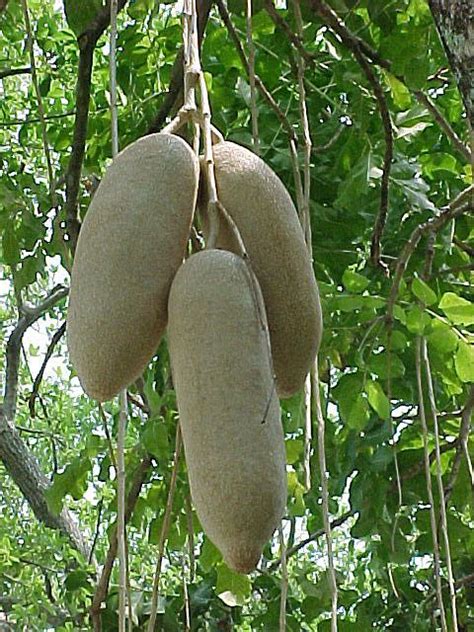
<point x="295" y="38"/>
<point x="190" y="527"/>
<point x="223" y="12"/>
<point x="283" y="580"/>
<point x="87" y="42"/>
<point x="187" y="605"/>
<point x="30" y="316"/>
<point x="102" y="586"/>
<point x="434" y="528"/>
<point x="444" y="124"/>
<point x="251" y="59"/>
<point x="465" y="247"/>
<point x="439" y="477"/>
<point x="39" y="378"/>
<point x="39" y="99"/>
<point x="337" y="522"/>
<point x="461" y="444"/>
<point x="458" y="206"/>
<point x="164" y="530"/>
<point x="10" y="72"/>
<point x="108" y="437"/>
<point x="100" y="506"/>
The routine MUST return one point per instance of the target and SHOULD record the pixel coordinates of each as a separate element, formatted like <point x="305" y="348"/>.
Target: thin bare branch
<point x="461" y="444"/>
<point x="251" y="59"/>
<point x="283" y="580"/>
<point x="460" y="205"/>
<point x="39" y="378"/>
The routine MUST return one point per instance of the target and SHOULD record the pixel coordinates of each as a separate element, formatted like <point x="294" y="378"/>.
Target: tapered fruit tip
<point x="243" y="560"/>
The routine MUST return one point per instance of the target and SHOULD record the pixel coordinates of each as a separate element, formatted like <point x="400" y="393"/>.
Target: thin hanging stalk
<point x="308" y="433"/>
<point x="253" y="91"/>
<point x="325" y="494"/>
<point x="164" y="530"/>
<point x="39" y="99"/>
<point x="439" y="477"/>
<point x="121" y="536"/>
<point x="284" y="580"/>
<point x="429" y="488"/>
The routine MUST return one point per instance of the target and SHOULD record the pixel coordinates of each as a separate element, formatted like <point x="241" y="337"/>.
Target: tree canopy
<point x="359" y="105"/>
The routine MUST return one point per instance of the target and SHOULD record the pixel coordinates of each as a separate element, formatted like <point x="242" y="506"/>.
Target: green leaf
<point x="209" y="555"/>
<point x="155" y="438"/>
<point x="457" y="309"/>
<point x="422" y="291"/>
<point x="294" y="449"/>
<point x="354" y="282"/>
<point x="442" y="338"/>
<point x="379" y="364"/>
<point x="417" y="320"/>
<point x="464" y="362"/>
<point x="76" y="579"/>
<point x="231" y="587"/>
<point x="359" y="414"/>
<point x="377" y="399"/>
<point x="400" y="93"/>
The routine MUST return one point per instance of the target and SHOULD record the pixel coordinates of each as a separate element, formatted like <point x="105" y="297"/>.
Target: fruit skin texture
<point x="219" y="352"/>
<point x="131" y="244"/>
<point x="264" y="213"/>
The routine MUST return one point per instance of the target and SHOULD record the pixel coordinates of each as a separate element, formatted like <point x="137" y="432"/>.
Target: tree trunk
<point x="454" y="20"/>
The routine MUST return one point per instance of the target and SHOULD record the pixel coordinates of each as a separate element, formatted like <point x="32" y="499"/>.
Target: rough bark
<point x="455" y="23"/>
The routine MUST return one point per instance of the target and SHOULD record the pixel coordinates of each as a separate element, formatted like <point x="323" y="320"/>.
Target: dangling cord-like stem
<point x="253" y="91"/>
<point x="284" y="579"/>
<point x="122" y="422"/>
<point x="439" y="477"/>
<point x="429" y="488"/>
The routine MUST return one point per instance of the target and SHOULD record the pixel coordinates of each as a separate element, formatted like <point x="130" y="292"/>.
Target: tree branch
<point x="337" y="522"/>
<point x="38" y="379"/>
<point x="30" y="316"/>
<point x="25" y="471"/>
<point x="461" y="444"/>
<point x="355" y="45"/>
<point x="463" y="202"/>
<point x="10" y="72"/>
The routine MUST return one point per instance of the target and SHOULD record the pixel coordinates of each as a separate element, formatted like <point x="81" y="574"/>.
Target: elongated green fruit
<point x="228" y="407"/>
<point x="264" y="213"/>
<point x="130" y="246"/>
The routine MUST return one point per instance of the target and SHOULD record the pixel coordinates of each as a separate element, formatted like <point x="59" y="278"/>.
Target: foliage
<point x="384" y="551"/>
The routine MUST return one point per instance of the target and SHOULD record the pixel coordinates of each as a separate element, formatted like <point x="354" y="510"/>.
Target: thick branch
<point x="454" y="20"/>
<point x="25" y="471"/>
<point x="10" y="72"/>
<point x="87" y="42"/>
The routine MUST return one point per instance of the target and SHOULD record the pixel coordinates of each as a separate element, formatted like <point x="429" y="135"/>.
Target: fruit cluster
<point x="241" y="332"/>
